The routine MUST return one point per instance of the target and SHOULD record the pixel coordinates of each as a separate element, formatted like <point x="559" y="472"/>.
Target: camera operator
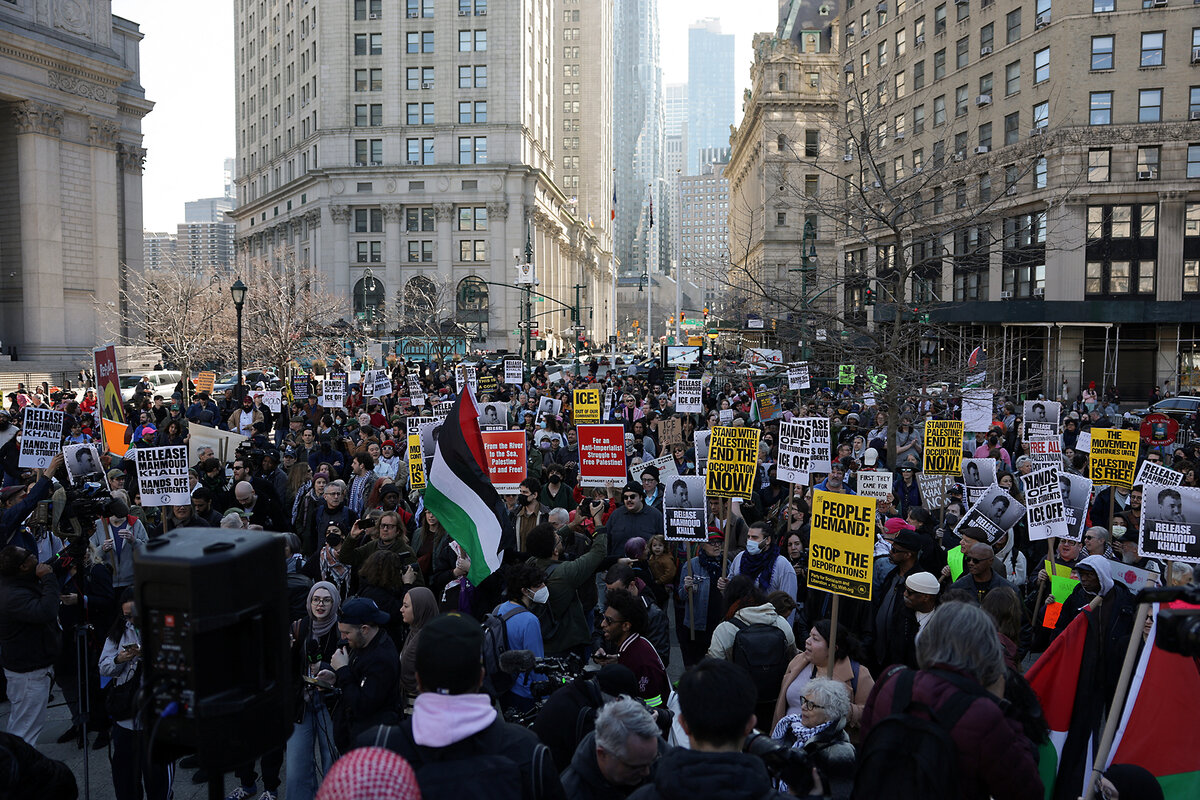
<point x="19" y="501"/>
<point x="30" y="639"/>
<point x="716" y="711"/>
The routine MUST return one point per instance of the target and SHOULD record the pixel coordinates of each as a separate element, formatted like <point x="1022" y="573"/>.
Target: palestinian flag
<point x="1162" y="705"/>
<point x="1072" y="707"/>
<point x="461" y="495"/>
<point x="755" y="414"/>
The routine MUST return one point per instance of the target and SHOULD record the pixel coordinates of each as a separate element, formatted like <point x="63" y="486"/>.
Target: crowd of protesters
<point x="384" y="612"/>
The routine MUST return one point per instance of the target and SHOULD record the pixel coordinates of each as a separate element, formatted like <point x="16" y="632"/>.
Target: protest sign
<point x="333" y="393"/>
<point x="354" y="378"/>
<point x="415" y="391"/>
<point x="943" y="450"/>
<point x="368" y="382"/>
<point x="205" y="382"/>
<point x="868" y="398"/>
<point x="514" y="373"/>
<point x="1045" y="513"/>
<point x="768" y="405"/>
<point x="554" y="377"/>
<point x="506" y="461"/>
<point x="1134" y="578"/>
<point x="876" y="485"/>
<point x="1076" y="492"/>
<point x="732" y="461"/>
<point x="442" y="408"/>
<point x="548" y="407"/>
<point x="846" y="374"/>
<point x="685" y="512"/>
<point x="488" y="385"/>
<point x="934" y="488"/>
<point x="794" y="449"/>
<point x="670" y="431"/>
<point x="601" y="455"/>
<point x="299" y="387"/>
<point x="344" y="377"/>
<point x="996" y="512"/>
<point x="1157" y="474"/>
<point x="977" y="409"/>
<point x="608" y="404"/>
<point x="586" y="408"/>
<point x="416" y="463"/>
<point x="108" y="390"/>
<point x="725" y="416"/>
<point x="687" y="396"/>
<point x="665" y="465"/>
<point x="841" y="544"/>
<point x="272" y="400"/>
<point x="1084" y="442"/>
<point x="1061" y="582"/>
<point x="493" y="416"/>
<point x="820" y="447"/>
<point x="1045" y="451"/>
<point x="798" y="376"/>
<point x="82" y="460"/>
<point x="163" y="476"/>
<point x="223" y="443"/>
<point x="978" y="474"/>
<point x="1113" y="457"/>
<point x="876" y="380"/>
<point x="700" y="446"/>
<point x="1170" y="526"/>
<point x="41" y="436"/>
<point x="376" y="383"/>
<point x="1041" y="418"/>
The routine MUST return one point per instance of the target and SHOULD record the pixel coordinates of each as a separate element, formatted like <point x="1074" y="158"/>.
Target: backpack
<point x="495" y="644"/>
<point x="910" y="755"/>
<point x="761" y="650"/>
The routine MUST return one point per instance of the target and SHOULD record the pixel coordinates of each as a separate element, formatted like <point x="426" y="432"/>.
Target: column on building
<point x="106" y="221"/>
<point x="444" y="253"/>
<point x="502" y="316"/>
<point x="338" y="260"/>
<point x="393" y="257"/>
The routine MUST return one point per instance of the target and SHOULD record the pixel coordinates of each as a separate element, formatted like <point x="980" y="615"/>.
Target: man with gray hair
<point x="559" y="518"/>
<point x="1095" y="541"/>
<point x="617" y="757"/>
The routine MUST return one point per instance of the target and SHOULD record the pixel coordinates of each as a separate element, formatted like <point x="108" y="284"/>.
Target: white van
<point x="162" y="383"/>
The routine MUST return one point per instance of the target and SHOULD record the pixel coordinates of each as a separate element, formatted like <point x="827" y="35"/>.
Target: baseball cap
<point x="896" y="524"/>
<point x="148" y="429"/>
<point x="870" y="457"/>
<point x="363" y="611"/>
<point x="922" y="583"/>
<point x="908" y="539"/>
<point x="114" y="473"/>
<point x="449" y="653"/>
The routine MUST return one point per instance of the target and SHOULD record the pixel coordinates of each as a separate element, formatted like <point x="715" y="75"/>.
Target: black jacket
<point x="567" y="716"/>
<point x="583" y="779"/>
<point x="370" y="686"/>
<point x="30" y="637"/>
<point x="689" y="775"/>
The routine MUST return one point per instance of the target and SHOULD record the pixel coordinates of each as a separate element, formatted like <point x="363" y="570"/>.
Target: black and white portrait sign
<point x="1041" y="418"/>
<point x="685" y="514"/>
<point x="82" y="460"/>
<point x="995" y="513"/>
<point x="1170" y="523"/>
<point x="978" y="475"/>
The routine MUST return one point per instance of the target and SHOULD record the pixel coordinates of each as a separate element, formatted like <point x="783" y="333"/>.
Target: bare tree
<point x="430" y="315"/>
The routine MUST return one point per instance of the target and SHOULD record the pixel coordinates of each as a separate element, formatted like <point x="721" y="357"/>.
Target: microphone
<point x="515" y="662"/>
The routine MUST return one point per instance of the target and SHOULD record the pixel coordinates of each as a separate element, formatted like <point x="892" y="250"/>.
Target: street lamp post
<point x="644" y="281"/>
<point x="238" y="291"/>
<point x="808" y="252"/>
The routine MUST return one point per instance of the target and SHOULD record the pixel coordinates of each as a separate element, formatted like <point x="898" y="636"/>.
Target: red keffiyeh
<point x="370" y="773"/>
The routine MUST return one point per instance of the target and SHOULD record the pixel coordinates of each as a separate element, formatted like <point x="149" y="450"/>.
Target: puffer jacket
<point x="690" y="775"/>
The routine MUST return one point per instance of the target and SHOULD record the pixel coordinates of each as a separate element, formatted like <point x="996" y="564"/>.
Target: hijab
<point x="319" y="629"/>
<point x="424" y="608"/>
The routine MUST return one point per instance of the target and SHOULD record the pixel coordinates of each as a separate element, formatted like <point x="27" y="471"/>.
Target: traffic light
<point x="671" y="320"/>
<point x="869" y="296"/>
<point x="635" y="324"/>
<point x="706" y="313"/>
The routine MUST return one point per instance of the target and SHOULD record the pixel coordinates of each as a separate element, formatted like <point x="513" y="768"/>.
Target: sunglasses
<point x="973" y="560"/>
<point x="629" y="497"/>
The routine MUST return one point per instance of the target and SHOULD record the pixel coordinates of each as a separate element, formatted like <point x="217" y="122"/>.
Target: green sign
<point x="877" y="380"/>
<point x="846" y="374"/>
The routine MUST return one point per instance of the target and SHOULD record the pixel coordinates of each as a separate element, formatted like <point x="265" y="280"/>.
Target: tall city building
<point x="703" y="233"/>
<point x="642" y="240"/>
<point x="406" y="150"/>
<point x="158" y="248"/>
<point x="710" y="89"/>
<point x="204" y="240"/>
<point x="675" y="109"/>
<point x="1049" y="200"/>
<point x="229" y="172"/>
<point x="71" y="161"/>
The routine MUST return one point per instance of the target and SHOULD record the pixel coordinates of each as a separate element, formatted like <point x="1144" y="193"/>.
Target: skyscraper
<point x="710" y="89"/>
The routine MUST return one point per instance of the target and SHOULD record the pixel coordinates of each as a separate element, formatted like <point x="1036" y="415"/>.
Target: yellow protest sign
<point x="1113" y="457"/>
<point x="416" y="463"/>
<point x="943" y="447"/>
<point x="841" y="544"/>
<point x="587" y="406"/>
<point x="205" y="382"/>
<point x="732" y="459"/>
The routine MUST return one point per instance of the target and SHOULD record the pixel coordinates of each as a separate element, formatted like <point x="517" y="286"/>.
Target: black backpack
<point x="495" y="644"/>
<point x="761" y="649"/>
<point x="910" y="754"/>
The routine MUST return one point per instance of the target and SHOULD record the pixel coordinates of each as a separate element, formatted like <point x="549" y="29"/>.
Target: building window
<point x="472" y="218"/>
<point x="918" y="75"/>
<point x="1150" y="105"/>
<point x="1012" y="127"/>
<point x="985" y="135"/>
<point x="368" y="80"/>
<point x="1191" y="276"/>
<point x="1100" y="108"/>
<point x="1041" y="115"/>
<point x="960" y="101"/>
<point x="1121" y="249"/>
<point x="472" y="150"/>
<point x="472" y="111"/>
<point x="363" y="8"/>
<point x="918" y="119"/>
<point x="1193" y="161"/>
<point x="419" y="220"/>
<point x="1147" y="163"/>
<point x="939" y="64"/>
<point x="472" y="250"/>
<point x="1102" y="52"/>
<point x="1039" y="172"/>
<point x="1103" y="6"/>
<point x="962" y="10"/>
<point x="1041" y="66"/>
<point x="939" y="20"/>
<point x="1012" y="24"/>
<point x="1012" y="78"/>
<point x="939" y="110"/>
<point x="1098" y="165"/>
<point x="812" y="144"/>
<point x="368" y="220"/>
<point x="961" y="54"/>
<point x="420" y="251"/>
<point x="368" y="252"/>
<point x="1152" y="49"/>
<point x="368" y="115"/>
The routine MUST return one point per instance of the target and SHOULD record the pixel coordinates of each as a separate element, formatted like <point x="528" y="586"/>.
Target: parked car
<point x="253" y="377"/>
<point x="162" y="383"/>
<point x="1181" y="409"/>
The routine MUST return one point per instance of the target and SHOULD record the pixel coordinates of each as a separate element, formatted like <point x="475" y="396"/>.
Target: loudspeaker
<point x="212" y="607"/>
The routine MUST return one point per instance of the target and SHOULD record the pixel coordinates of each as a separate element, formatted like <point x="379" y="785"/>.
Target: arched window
<point x="471" y="306"/>
<point x="420" y="296"/>
<point x="368" y="299"/>
<point x="781" y="142"/>
<point x="782" y="82"/>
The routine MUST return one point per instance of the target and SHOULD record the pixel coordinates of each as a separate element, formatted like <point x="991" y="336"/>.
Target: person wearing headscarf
<point x="419" y="607"/>
<point x="370" y="773"/>
<point x="314" y="638"/>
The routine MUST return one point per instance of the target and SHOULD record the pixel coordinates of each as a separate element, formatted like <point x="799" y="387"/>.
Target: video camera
<point x="86" y="502"/>
<point x="791" y="765"/>
<point x="1178" y="629"/>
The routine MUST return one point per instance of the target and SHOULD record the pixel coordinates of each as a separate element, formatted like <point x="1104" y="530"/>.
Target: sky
<point x="187" y="71"/>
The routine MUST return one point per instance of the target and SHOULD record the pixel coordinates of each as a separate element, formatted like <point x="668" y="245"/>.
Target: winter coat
<point x="30" y="637"/>
<point x="692" y="775"/>
<point x="583" y="779"/>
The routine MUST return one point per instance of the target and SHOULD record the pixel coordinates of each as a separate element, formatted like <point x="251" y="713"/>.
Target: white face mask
<point x="753" y="547"/>
<point x="541" y="596"/>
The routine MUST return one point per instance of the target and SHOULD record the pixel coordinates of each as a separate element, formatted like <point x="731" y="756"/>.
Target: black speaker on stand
<point x="212" y="607"/>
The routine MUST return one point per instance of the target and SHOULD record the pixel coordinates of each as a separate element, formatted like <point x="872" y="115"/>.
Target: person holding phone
<point x="117" y="536"/>
<point x="360" y="545"/>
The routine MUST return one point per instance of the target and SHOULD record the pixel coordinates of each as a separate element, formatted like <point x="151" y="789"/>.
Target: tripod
<point x="83" y="686"/>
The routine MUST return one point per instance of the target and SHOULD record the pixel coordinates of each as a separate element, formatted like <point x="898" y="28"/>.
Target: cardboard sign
<point x="934" y="489"/>
<point x="798" y="376"/>
<point x="977" y="407"/>
<point x="1045" y="513"/>
<point x="685" y="512"/>
<point x="416" y="392"/>
<point x="416" y="463"/>
<point x="82" y="460"/>
<point x="586" y="409"/>
<point x="333" y="393"/>
<point x="732" y="461"/>
<point x="272" y="400"/>
<point x="795" y="446"/>
<point x="1041" y="418"/>
<point x="299" y="387"/>
<point x="514" y="373"/>
<point x="1157" y="474"/>
<point x="506" y="460"/>
<point x="1076" y="492"/>
<point x="996" y="512"/>
<point x="41" y="436"/>
<point x="205" y="382"/>
<point x="943" y="451"/>
<point x="688" y="396"/>
<point x="842" y="544"/>
<point x="1113" y="457"/>
<point x="1170" y="526"/>
<point x="670" y="431"/>
<point x="601" y="455"/>
<point x="876" y="485"/>
<point x="846" y="374"/>
<point x="163" y="476"/>
<point x="665" y="465"/>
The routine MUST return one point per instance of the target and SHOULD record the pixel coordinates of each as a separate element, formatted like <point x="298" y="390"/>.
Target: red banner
<point x="108" y="388"/>
<point x="602" y="455"/>
<point x="506" y="460"/>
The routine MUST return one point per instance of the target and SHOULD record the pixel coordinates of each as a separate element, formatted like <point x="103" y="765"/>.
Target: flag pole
<point x="1114" y="715"/>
